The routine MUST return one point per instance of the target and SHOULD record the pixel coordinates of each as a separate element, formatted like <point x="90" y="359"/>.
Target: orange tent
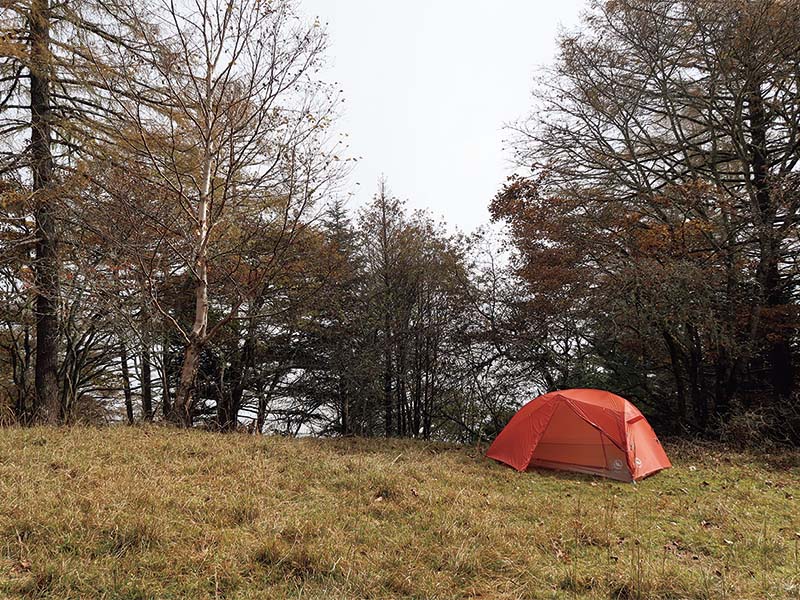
<point x="589" y="431"/>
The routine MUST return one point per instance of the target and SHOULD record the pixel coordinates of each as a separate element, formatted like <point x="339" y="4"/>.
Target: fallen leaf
<point x="21" y="566"/>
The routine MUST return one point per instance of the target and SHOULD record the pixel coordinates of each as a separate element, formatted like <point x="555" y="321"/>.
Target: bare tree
<point x="651" y="97"/>
<point x="219" y="107"/>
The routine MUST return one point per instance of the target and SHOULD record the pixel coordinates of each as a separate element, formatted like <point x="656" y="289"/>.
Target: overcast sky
<point x="429" y="85"/>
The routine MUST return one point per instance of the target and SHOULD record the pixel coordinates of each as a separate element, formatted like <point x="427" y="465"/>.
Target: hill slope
<point x="151" y="513"/>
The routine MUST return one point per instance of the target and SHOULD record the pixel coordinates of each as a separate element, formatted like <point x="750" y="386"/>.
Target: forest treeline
<point x="174" y="245"/>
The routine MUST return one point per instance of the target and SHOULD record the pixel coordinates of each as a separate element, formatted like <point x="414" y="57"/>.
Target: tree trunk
<point x="344" y="407"/>
<point x="181" y="413"/>
<point x="47" y="404"/>
<point x="402" y="397"/>
<point x="230" y="404"/>
<point x="126" y="382"/>
<point x="261" y="415"/>
<point x="431" y="370"/>
<point x="228" y="419"/>
<point x="696" y="379"/>
<point x="416" y="398"/>
<point x="20" y="369"/>
<point x="166" y="400"/>
<point x="675" y="362"/>
<point x="230" y="401"/>
<point x="777" y="350"/>
<point x="226" y="422"/>
<point x="182" y="410"/>
<point x="387" y="382"/>
<point x="725" y="383"/>
<point x="147" y="384"/>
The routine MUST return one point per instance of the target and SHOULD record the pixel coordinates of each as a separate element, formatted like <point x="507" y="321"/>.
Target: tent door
<point x="569" y="441"/>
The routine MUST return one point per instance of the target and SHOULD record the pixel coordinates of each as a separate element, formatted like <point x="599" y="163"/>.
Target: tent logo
<point x="616" y="465"/>
<point x="638" y="462"/>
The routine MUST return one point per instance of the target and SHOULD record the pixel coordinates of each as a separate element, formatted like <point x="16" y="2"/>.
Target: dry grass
<point x="150" y="513"/>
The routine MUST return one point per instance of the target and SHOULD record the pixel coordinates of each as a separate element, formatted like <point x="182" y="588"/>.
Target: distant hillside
<point x="129" y="513"/>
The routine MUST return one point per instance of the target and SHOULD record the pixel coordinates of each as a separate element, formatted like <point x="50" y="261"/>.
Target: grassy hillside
<point x="150" y="513"/>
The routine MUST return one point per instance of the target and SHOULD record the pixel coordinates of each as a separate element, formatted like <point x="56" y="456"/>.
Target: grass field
<point x="152" y="513"/>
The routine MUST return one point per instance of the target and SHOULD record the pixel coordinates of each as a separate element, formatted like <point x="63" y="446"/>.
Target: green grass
<point x="152" y="513"/>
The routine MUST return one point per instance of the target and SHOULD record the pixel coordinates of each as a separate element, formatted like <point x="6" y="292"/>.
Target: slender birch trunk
<point x="182" y="408"/>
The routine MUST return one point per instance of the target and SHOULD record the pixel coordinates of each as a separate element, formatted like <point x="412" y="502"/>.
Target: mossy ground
<point x="130" y="513"/>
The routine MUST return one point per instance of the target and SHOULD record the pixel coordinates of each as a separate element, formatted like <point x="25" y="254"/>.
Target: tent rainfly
<point x="583" y="430"/>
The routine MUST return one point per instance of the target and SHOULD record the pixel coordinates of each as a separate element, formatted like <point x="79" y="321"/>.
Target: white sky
<point x="429" y="85"/>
